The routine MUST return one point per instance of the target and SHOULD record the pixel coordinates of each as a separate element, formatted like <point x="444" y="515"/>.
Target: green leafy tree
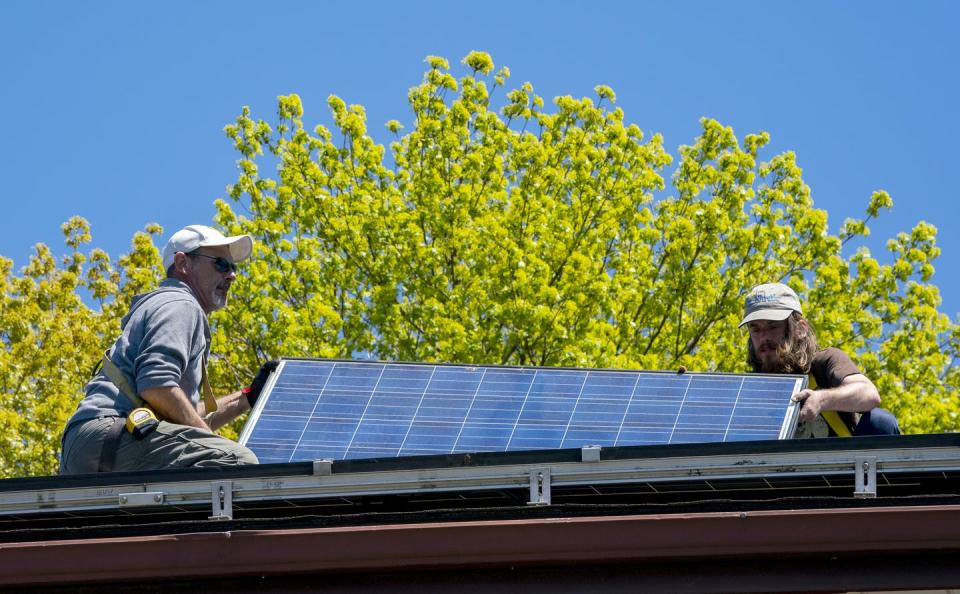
<point x="497" y="230"/>
<point x="525" y="235"/>
<point x="52" y="338"/>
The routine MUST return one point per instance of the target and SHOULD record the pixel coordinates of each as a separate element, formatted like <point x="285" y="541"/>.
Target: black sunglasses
<point x="221" y="264"/>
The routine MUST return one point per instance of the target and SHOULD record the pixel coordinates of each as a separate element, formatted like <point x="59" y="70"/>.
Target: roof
<point x="628" y="515"/>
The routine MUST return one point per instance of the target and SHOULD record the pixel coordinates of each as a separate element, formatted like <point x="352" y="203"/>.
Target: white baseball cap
<point x="771" y="301"/>
<point x="192" y="237"/>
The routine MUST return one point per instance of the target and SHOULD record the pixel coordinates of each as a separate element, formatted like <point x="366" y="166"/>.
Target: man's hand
<point x="855" y="393"/>
<point x="811" y="404"/>
<point x="259" y="381"/>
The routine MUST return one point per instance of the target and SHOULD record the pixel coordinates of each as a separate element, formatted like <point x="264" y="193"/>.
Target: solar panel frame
<point x="356" y="415"/>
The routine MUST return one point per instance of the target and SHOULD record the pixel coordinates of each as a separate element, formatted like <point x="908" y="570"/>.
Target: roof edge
<point x="567" y="541"/>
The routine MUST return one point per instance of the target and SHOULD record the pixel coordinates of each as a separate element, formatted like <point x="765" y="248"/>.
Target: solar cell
<point x="317" y="408"/>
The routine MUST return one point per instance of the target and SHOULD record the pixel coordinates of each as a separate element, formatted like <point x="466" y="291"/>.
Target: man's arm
<point x="171" y="404"/>
<point x="856" y="393"/>
<point x="229" y="407"/>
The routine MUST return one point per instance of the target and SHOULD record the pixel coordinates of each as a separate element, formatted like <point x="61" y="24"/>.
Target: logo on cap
<point x="771" y="301"/>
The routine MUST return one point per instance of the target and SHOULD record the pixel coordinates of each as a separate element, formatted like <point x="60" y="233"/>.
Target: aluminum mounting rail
<point x="220" y="495"/>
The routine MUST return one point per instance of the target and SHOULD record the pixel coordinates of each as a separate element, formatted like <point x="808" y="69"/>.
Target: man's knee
<point x="877" y="422"/>
<point x="201" y="448"/>
<point x="234" y="455"/>
<point x="179" y="446"/>
<point x="246" y="456"/>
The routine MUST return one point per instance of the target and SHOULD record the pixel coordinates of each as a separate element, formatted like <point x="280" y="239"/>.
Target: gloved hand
<point x="252" y="392"/>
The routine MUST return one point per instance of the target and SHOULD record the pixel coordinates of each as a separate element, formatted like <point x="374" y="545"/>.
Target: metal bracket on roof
<point x="323" y="467"/>
<point x="221" y="494"/>
<point x="140" y="499"/>
<point x="865" y="469"/>
<point x="590" y="453"/>
<point x="539" y="487"/>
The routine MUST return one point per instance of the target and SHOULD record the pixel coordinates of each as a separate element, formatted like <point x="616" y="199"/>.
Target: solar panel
<point x="316" y="408"/>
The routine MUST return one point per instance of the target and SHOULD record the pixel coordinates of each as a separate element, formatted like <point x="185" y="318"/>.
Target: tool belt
<point x="140" y="423"/>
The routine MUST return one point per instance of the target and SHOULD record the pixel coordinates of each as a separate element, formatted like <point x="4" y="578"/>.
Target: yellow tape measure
<point x="141" y="422"/>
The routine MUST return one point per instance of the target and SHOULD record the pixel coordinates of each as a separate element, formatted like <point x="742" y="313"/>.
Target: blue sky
<point x="115" y="110"/>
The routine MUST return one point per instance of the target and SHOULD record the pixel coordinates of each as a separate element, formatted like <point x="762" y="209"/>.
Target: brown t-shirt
<point x="828" y="369"/>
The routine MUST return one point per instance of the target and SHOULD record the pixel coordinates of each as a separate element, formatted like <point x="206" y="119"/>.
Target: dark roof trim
<point x="563" y="542"/>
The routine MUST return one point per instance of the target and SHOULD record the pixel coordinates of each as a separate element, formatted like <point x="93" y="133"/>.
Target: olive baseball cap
<point x="770" y="301"/>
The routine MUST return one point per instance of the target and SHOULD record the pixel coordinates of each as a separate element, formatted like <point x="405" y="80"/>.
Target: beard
<point x="773" y="358"/>
<point x="793" y="354"/>
<point x="219" y="299"/>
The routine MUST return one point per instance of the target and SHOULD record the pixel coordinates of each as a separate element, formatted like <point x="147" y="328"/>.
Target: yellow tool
<point x="831" y="416"/>
<point x="141" y="422"/>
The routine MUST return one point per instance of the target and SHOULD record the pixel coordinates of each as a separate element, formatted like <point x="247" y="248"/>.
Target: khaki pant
<point x="168" y="446"/>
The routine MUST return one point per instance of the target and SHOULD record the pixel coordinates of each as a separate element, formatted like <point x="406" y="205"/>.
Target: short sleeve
<point x="173" y="337"/>
<point x="831" y="366"/>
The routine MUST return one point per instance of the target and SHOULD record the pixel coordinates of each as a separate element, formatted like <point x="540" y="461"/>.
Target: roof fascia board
<point x="568" y="541"/>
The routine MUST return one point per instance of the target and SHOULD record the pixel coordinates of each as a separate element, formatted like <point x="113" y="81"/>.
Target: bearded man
<point x="840" y="400"/>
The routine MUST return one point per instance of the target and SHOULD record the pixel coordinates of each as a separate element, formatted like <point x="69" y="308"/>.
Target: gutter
<point x="449" y="545"/>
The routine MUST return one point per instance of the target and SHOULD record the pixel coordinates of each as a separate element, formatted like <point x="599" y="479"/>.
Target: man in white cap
<point x="839" y="400"/>
<point x="150" y="405"/>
